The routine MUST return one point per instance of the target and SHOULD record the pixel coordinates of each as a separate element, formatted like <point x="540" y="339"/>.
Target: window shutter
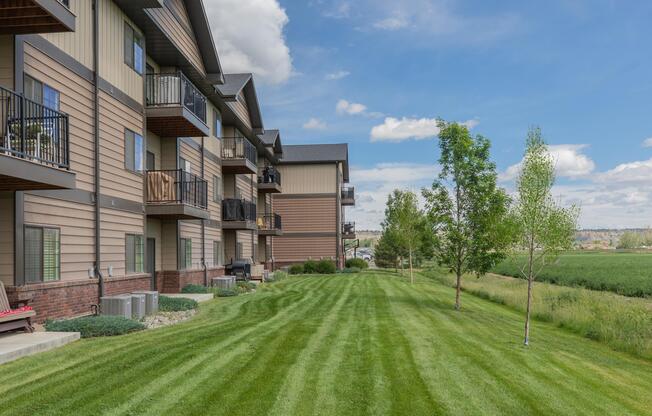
<point x="139" y="254"/>
<point x="51" y="254"/>
<point x="188" y="253"/>
<point x="129" y="45"/>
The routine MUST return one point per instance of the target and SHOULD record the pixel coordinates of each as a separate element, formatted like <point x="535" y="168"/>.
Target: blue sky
<point x="377" y="73"/>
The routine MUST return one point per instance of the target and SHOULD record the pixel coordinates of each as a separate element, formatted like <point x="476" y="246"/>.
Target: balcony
<point x="348" y="230"/>
<point x="238" y="214"/>
<point x="269" y="225"/>
<point x="239" y="156"/>
<point x="34" y="145"/>
<point x="270" y="181"/>
<point x="21" y="17"/>
<point x="348" y="196"/>
<point x="175" y="194"/>
<point x="174" y="106"/>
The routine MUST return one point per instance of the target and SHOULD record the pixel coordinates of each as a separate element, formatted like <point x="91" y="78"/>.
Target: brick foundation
<point x="63" y="299"/>
<point x="172" y="281"/>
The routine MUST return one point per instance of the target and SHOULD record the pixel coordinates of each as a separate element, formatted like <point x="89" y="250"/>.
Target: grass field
<point x="625" y="273"/>
<point x="363" y="344"/>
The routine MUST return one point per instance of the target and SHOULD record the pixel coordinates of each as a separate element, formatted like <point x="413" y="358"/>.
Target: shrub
<point x="194" y="289"/>
<point x="225" y="293"/>
<point x="310" y="267"/>
<point x="95" y="326"/>
<point x="359" y="263"/>
<point x="351" y="270"/>
<point x="167" y="304"/>
<point x="244" y="287"/>
<point x="296" y="269"/>
<point x="325" y="267"/>
<point x="278" y="275"/>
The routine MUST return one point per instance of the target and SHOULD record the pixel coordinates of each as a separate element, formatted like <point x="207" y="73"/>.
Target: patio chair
<point x="11" y="319"/>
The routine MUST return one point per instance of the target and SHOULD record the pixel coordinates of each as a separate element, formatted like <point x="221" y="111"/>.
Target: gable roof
<point x="236" y="83"/>
<point x="272" y="138"/>
<point x="316" y="154"/>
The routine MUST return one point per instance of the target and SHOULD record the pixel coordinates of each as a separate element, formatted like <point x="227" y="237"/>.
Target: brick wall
<point x="172" y="281"/>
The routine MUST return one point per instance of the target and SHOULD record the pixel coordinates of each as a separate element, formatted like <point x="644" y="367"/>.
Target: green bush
<point x="278" y="275"/>
<point x="167" y="304"/>
<point x="351" y="270"/>
<point x="359" y="263"/>
<point x="310" y="267"/>
<point x="244" y="287"/>
<point x="95" y="326"/>
<point x="296" y="269"/>
<point x="194" y="289"/>
<point x="225" y="293"/>
<point x="325" y="267"/>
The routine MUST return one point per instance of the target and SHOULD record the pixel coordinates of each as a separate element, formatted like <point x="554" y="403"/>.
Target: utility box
<point x="223" y="282"/>
<point x="138" y="305"/>
<point x="151" y="300"/>
<point x="119" y="305"/>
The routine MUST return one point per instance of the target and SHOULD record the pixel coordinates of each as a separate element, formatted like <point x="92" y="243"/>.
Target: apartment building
<point x="313" y="204"/>
<point x="128" y="159"/>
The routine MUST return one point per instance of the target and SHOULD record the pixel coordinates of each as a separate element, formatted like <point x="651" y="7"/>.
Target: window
<point x="41" y="93"/>
<point x="133" y="151"/>
<point x="218" y="253"/>
<point x="217" y="124"/>
<point x="184" y="165"/>
<point x="185" y="254"/>
<point x="42" y="254"/>
<point x="135" y="251"/>
<point x="151" y="161"/>
<point x="217" y="188"/>
<point x="133" y="49"/>
<point x="239" y="251"/>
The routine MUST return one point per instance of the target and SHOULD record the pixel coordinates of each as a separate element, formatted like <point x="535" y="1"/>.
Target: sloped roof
<point x="272" y="138"/>
<point x="317" y="153"/>
<point x="233" y="85"/>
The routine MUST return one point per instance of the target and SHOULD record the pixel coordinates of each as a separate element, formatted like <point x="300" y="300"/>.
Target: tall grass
<point x="625" y="324"/>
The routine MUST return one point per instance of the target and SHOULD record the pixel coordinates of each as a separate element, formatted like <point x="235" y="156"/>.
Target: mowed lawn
<point x="360" y="344"/>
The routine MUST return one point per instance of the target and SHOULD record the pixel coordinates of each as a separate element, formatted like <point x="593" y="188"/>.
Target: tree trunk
<point x="458" y="290"/>
<point x="411" y="275"/>
<point x="402" y="269"/>
<point x="530" y="280"/>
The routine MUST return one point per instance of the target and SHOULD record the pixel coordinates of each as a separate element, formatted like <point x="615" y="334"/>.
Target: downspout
<point x="203" y="222"/>
<point x="338" y="217"/>
<point x="96" y="133"/>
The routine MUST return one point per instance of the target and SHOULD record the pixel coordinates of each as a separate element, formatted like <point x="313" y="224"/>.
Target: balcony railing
<point x="348" y="193"/>
<point x="238" y="148"/>
<point x="238" y="210"/>
<point x="176" y="187"/>
<point x="269" y="222"/>
<point x="173" y="90"/>
<point x="270" y="175"/>
<point x="33" y="131"/>
<point x="348" y="228"/>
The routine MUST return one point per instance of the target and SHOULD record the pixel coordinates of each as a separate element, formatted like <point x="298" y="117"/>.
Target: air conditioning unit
<point x="138" y="305"/>
<point x="151" y="300"/>
<point x="223" y="282"/>
<point x="119" y="305"/>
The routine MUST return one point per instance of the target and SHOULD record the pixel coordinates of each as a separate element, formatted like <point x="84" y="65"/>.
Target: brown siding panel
<point x="299" y="249"/>
<point x="314" y="214"/>
<point x="7" y="238"/>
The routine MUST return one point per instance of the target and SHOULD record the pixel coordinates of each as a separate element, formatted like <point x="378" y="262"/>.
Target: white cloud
<point x="314" y="124"/>
<point x="635" y="173"/>
<point x="334" y="76"/>
<point x="345" y="107"/>
<point x="647" y="142"/>
<point x="394" y="173"/>
<point x="340" y="10"/>
<point x="391" y="23"/>
<point x="569" y="162"/>
<point x="398" y="130"/>
<point x="250" y="38"/>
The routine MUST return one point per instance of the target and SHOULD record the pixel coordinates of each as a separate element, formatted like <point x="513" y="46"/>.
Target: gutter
<point x="203" y="222"/>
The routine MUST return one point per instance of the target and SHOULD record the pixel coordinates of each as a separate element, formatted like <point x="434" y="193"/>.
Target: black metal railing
<point x="238" y="210"/>
<point x="269" y="222"/>
<point x="176" y="187"/>
<point x="270" y="175"/>
<point x="33" y="131"/>
<point x="238" y="148"/>
<point x="174" y="89"/>
<point x="348" y="228"/>
<point x="348" y="192"/>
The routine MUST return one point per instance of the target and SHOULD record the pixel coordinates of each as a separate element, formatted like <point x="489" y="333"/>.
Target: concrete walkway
<point x="199" y="297"/>
<point x="17" y="345"/>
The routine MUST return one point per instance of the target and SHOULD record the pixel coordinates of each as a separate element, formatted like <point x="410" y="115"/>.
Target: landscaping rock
<point x="167" y="318"/>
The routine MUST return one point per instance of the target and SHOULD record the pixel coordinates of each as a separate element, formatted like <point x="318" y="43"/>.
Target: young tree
<point x="386" y="251"/>
<point x="405" y="220"/>
<point x="466" y="209"/>
<point x="544" y="229"/>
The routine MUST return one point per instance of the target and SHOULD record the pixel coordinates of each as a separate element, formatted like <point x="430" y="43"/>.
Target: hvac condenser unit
<point x="151" y="300"/>
<point x="138" y="305"/>
<point x="119" y="305"/>
<point x="224" y="282"/>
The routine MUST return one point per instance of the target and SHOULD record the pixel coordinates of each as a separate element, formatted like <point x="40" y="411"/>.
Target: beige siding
<point x="182" y="38"/>
<point x="77" y="101"/>
<point x="112" y="66"/>
<point x="76" y="224"/>
<point x="78" y="44"/>
<point x="169" y="245"/>
<point x="213" y="169"/>
<point x="192" y="230"/>
<point x="115" y="179"/>
<point x="212" y="234"/>
<point x="154" y="146"/>
<point x="308" y="179"/>
<point x="154" y="231"/>
<point x="247" y="189"/>
<point x="299" y="249"/>
<point x="241" y="109"/>
<point x="244" y="237"/>
<point x="114" y="227"/>
<point x="7" y="238"/>
<point x="7" y="61"/>
<point x="168" y="153"/>
<point x="193" y="156"/>
<point x="229" y="245"/>
<point x="314" y="214"/>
